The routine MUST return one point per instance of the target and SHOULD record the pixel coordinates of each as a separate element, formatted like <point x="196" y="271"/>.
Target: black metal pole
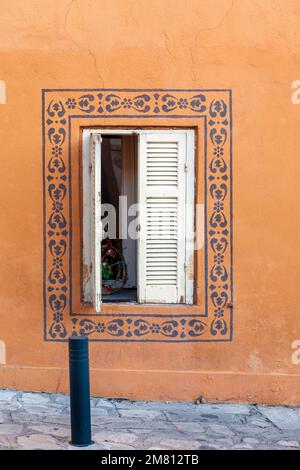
<point x="80" y="391"/>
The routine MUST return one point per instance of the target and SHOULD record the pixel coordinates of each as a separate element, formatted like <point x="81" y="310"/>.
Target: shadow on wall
<point x="2" y="92"/>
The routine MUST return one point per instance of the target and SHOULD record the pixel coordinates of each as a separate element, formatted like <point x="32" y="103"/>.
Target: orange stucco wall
<point x="249" y="47"/>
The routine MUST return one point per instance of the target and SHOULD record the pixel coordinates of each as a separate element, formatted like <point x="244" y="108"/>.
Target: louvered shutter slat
<point x="161" y="253"/>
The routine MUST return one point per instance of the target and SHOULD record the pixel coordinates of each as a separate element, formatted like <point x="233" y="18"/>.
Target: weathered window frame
<point x="189" y="201"/>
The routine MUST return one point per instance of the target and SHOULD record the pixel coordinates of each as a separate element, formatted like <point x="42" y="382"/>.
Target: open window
<point x="138" y="216"/>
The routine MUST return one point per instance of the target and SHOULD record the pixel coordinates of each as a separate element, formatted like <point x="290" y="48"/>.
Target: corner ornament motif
<point x="214" y="106"/>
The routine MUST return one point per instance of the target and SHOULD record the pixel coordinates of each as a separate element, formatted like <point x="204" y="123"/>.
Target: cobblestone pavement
<point x="42" y="421"/>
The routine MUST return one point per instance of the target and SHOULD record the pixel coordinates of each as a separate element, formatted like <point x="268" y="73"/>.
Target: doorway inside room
<point x="118" y="191"/>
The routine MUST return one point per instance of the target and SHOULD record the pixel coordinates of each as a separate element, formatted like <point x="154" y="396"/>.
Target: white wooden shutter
<point x="96" y="225"/>
<point x="161" y="245"/>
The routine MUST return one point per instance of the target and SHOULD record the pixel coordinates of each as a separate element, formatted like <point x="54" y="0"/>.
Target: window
<point x="138" y="216"/>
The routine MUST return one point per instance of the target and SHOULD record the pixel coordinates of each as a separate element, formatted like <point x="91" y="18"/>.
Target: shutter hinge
<point x="185" y="168"/>
<point x="90" y="168"/>
<point x="91" y="267"/>
<point x="184" y="267"/>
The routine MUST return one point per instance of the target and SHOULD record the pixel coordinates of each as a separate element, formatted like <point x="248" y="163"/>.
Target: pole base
<point x="81" y="445"/>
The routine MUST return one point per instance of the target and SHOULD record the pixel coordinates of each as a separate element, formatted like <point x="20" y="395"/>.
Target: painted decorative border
<point x="215" y="108"/>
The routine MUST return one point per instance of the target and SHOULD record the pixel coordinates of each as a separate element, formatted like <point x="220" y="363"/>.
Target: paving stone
<point x="157" y="448"/>
<point x="219" y="444"/>
<point x="207" y="418"/>
<point x="103" y="403"/>
<point x="141" y="433"/>
<point x="229" y="419"/>
<point x="130" y="423"/>
<point x="242" y="429"/>
<point x="141" y="413"/>
<point x="105" y="411"/>
<point x="163" y="406"/>
<point x="7" y="442"/>
<point x="282" y="417"/>
<point x="173" y="405"/>
<point x="23" y="417"/>
<point x="221" y="429"/>
<point x="111" y="446"/>
<point x="42" y="410"/>
<point x="114" y="437"/>
<point x="190" y="427"/>
<point x="186" y="416"/>
<point x="95" y="446"/>
<point x="34" y="398"/>
<point x="288" y="443"/>
<point x="130" y="404"/>
<point x="11" y="429"/>
<point x="223" y="409"/>
<point x="57" y="419"/>
<point x="62" y="400"/>
<point x="38" y="441"/>
<point x="10" y="406"/>
<point x="59" y="431"/>
<point x="242" y="446"/>
<point x="251" y="441"/>
<point x="7" y="395"/>
<point x="260" y="422"/>
<point x="159" y="437"/>
<point x="178" y="444"/>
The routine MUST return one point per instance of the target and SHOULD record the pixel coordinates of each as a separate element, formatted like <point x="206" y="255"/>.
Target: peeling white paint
<point x="2" y="353"/>
<point x="2" y="92"/>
